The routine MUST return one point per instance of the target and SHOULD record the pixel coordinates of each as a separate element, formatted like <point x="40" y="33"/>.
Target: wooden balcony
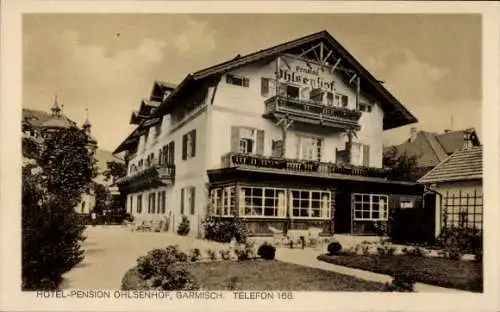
<point x="154" y="176"/>
<point x="299" y="166"/>
<point x="311" y="113"/>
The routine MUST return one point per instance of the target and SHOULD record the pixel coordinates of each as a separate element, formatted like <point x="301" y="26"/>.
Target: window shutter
<point x="366" y="155"/>
<point x="260" y="142"/>
<point x="160" y="158"/>
<point x="235" y="139"/>
<point x="184" y="147"/>
<point x="182" y="201"/>
<point x="193" y="140"/>
<point x="193" y="192"/>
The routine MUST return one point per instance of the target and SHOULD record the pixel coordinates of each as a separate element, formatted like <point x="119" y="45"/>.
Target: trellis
<point x="462" y="210"/>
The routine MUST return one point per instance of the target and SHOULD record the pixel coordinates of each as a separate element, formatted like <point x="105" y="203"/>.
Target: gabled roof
<point x="464" y="164"/>
<point x="395" y="114"/>
<point x="432" y="148"/>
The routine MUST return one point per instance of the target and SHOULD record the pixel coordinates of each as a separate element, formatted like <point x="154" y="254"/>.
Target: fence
<point x="462" y="210"/>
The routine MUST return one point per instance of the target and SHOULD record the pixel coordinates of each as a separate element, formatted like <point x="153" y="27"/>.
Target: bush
<point x="245" y="251"/>
<point x="212" y="255"/>
<point x="183" y="228"/>
<point x="225" y="254"/>
<point x="194" y="255"/>
<point x="232" y="283"/>
<point x="334" y="248"/>
<point x="415" y="252"/>
<point x="386" y="249"/>
<point x="266" y="251"/>
<point x="160" y="269"/>
<point x="223" y="230"/>
<point x="457" y="241"/>
<point x="402" y="282"/>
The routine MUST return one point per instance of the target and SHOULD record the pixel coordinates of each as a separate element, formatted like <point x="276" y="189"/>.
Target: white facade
<point x="231" y="105"/>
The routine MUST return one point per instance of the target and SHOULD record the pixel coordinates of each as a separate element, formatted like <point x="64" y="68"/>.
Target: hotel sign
<point x="299" y="72"/>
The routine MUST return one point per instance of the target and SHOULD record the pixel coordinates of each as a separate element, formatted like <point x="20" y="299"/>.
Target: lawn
<point x="464" y="275"/>
<point x="270" y="275"/>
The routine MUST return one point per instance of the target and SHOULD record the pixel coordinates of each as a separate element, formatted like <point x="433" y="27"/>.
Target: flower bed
<point x="464" y="275"/>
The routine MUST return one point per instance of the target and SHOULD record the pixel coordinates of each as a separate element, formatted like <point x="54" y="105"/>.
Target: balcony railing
<point x="153" y="175"/>
<point x="299" y="166"/>
<point x="309" y="111"/>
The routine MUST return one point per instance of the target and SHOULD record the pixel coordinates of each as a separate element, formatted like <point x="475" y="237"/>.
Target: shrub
<point x="212" y="255"/>
<point x="415" y="252"/>
<point x="266" y="251"/>
<point x="194" y="255"/>
<point x="402" y="282"/>
<point x="386" y="249"/>
<point x="334" y="248"/>
<point x="457" y="241"/>
<point x="223" y="230"/>
<point x="160" y="269"/>
<point x="183" y="228"/>
<point x="225" y="254"/>
<point x="245" y="251"/>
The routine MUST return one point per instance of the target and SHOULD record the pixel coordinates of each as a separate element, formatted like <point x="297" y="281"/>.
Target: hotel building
<point x="285" y="137"/>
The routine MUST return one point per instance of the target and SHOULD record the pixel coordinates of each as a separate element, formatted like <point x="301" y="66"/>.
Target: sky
<point x="108" y="62"/>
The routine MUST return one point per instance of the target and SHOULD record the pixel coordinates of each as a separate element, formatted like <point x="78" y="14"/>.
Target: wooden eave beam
<point x="310" y="49"/>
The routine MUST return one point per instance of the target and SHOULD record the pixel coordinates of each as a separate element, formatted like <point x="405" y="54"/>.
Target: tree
<point x="102" y="198"/>
<point x="52" y="232"/>
<point x="114" y="171"/>
<point x="401" y="167"/>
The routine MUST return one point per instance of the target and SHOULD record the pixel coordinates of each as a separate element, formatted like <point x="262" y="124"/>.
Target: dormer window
<point x="292" y="91"/>
<point x="238" y="80"/>
<point x="365" y="107"/>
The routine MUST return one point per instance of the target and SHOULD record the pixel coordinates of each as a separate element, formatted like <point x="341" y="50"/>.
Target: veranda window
<point x="309" y="148"/>
<point x="262" y="202"/>
<point x="310" y="204"/>
<point x="370" y="207"/>
<point x="223" y="201"/>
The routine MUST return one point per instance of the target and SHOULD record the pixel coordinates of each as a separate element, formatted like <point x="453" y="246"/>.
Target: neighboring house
<point x="288" y="137"/>
<point x="36" y="125"/>
<point x="432" y="148"/>
<point x="458" y="181"/>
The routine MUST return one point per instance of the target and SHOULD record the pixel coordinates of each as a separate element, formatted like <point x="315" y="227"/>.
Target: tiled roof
<point x="464" y="164"/>
<point x="37" y="118"/>
<point x="432" y="148"/>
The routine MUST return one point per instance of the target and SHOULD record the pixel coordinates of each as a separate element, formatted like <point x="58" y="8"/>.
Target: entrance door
<point x="429" y="225"/>
<point x="342" y="219"/>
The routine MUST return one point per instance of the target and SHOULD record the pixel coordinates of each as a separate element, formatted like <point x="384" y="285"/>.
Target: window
<point x="365" y="107"/>
<point x="264" y="86"/>
<point x="310" y="204"/>
<point x="309" y="148"/>
<point x="161" y="203"/>
<point x="188" y="199"/>
<point x="139" y="203"/>
<point x="223" y="201"/>
<point x="341" y="100"/>
<point x="152" y="203"/>
<point x="131" y="203"/>
<point x="316" y="95"/>
<point x="237" y="81"/>
<point x="262" y="202"/>
<point x="292" y="91"/>
<point x="329" y="99"/>
<point x="168" y="152"/>
<point x="247" y="140"/>
<point x="370" y="207"/>
<point x="462" y="209"/>
<point x="189" y="145"/>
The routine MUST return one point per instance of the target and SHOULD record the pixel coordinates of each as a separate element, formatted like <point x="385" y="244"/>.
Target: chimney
<point x="467" y="139"/>
<point x="413" y="134"/>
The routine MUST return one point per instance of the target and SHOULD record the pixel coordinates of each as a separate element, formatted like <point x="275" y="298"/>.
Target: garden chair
<point x="279" y="239"/>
